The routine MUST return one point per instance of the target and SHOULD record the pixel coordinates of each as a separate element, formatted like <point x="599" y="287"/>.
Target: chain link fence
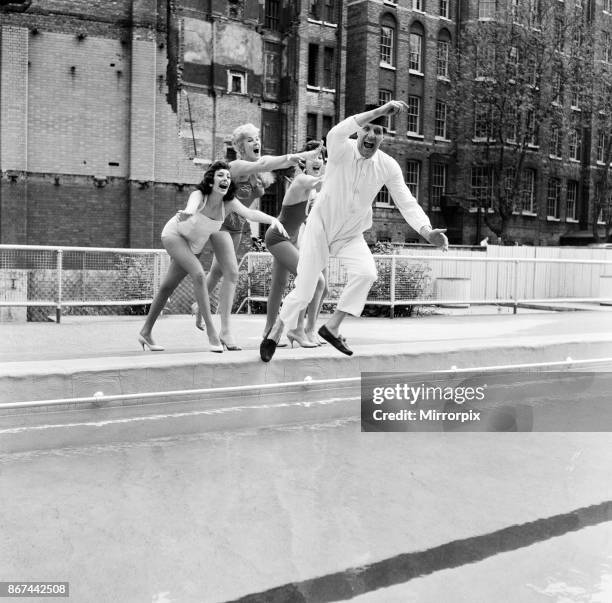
<point x="39" y="283"/>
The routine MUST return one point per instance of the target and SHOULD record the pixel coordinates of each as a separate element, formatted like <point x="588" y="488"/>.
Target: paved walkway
<point x="104" y="337"/>
<point x="84" y="355"/>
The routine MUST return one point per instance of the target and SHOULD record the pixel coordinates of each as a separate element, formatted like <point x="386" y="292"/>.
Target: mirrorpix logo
<point x="399" y="402"/>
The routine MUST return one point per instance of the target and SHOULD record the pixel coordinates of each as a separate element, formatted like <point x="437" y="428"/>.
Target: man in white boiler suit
<point x="356" y="171"/>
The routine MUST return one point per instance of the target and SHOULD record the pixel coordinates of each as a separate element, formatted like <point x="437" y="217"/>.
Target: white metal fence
<point x="35" y="280"/>
<point x="413" y="278"/>
<point x="38" y="280"/>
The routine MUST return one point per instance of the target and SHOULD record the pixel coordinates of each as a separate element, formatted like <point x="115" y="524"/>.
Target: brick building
<point x="405" y="49"/>
<point x="104" y="106"/>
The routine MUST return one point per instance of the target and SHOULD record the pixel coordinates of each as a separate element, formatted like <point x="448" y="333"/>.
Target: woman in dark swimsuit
<point x="285" y="251"/>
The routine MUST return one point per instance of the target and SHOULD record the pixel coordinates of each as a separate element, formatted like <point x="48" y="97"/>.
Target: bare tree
<point x="601" y="107"/>
<point x="511" y="71"/>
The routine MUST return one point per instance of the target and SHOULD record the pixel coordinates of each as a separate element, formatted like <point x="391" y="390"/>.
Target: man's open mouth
<point x="368" y="145"/>
<point x="256" y="150"/>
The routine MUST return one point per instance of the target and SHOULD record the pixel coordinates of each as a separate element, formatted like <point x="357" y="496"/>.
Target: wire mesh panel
<point x="38" y="281"/>
<point x="74" y="280"/>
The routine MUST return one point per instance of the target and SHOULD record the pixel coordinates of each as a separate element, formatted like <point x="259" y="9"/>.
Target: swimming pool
<point x="294" y="510"/>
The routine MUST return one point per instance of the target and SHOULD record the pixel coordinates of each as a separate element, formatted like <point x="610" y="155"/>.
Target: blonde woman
<point x="251" y="174"/>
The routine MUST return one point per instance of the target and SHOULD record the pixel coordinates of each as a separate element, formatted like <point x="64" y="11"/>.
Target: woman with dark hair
<point x="184" y="237"/>
<point x="300" y="194"/>
<point x="251" y="173"/>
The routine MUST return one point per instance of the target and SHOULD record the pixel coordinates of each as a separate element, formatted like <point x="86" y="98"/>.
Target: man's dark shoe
<point x="266" y="349"/>
<point x="338" y="342"/>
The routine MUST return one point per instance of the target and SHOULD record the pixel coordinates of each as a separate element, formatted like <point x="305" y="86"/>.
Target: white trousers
<point x="315" y="251"/>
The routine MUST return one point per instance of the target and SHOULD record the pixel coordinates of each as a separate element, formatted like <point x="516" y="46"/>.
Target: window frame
<point x="571" y="203"/>
<point x="384" y="96"/>
<point x="414" y="117"/>
<point x="242" y="75"/>
<point x="554" y="186"/>
<point x="417" y="183"/>
<point x="437" y="120"/>
<point x="389" y="49"/>
<point x="442" y="59"/>
<point x="436" y="186"/>
<point x="418" y="70"/>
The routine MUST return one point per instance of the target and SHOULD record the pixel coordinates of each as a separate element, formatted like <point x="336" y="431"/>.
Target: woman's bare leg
<point x="280" y="276"/>
<point x="170" y="282"/>
<point x="225" y="264"/>
<point x="180" y="252"/>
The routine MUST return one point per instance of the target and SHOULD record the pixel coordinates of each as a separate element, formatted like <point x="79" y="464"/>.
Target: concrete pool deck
<point x="301" y="512"/>
<point x="83" y="355"/>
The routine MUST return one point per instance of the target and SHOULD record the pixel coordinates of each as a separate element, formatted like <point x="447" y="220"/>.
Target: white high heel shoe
<point x="147" y="342"/>
<point x="302" y="341"/>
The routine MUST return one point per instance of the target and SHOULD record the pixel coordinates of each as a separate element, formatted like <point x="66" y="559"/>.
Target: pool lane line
<point x="179" y="415"/>
<point x="354" y="581"/>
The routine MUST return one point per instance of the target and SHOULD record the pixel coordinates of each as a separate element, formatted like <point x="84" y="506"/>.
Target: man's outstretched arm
<point x="410" y="209"/>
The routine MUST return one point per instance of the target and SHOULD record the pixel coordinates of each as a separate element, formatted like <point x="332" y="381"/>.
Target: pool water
<point x="315" y="510"/>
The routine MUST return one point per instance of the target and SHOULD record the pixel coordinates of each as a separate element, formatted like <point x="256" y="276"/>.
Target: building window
<point x="272" y="14"/>
<point x="513" y="63"/>
<point x="486" y="9"/>
<point x="442" y="59"/>
<point x="445" y="9"/>
<point x="383" y="198"/>
<point x="438" y="183"/>
<point x="556" y="141"/>
<point x="574" y="145"/>
<point x="328" y="68"/>
<point x="271" y="132"/>
<point x="511" y="124"/>
<point x="528" y="190"/>
<point x="608" y="6"/>
<point x="329" y="11"/>
<point x="414" y="115"/>
<point x="384" y="96"/>
<point x="607" y="47"/>
<point x="386" y="45"/>
<point x="412" y="177"/>
<point x="557" y="88"/>
<point x="314" y="11"/>
<point x="571" y="200"/>
<point x="601" y="146"/>
<point x="327" y="125"/>
<point x="440" y="125"/>
<point x="483" y="123"/>
<point x="575" y="99"/>
<point x="485" y="60"/>
<point x="552" y="198"/>
<point x="417" y="5"/>
<point x="313" y="65"/>
<point x="531" y="129"/>
<point x="311" y="126"/>
<point x="482" y="187"/>
<point x="236" y="82"/>
<point x="416" y="54"/>
<point x="271" y="69"/>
